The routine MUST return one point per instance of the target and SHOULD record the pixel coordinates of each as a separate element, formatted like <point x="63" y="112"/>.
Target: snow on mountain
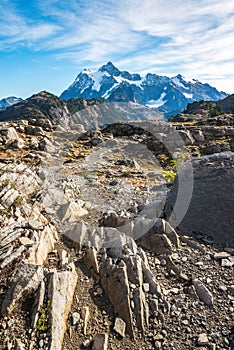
<point x="157" y="103"/>
<point x="9" y="101"/>
<point x="169" y="95"/>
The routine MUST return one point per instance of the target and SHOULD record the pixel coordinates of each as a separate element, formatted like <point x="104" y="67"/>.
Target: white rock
<point x="46" y="241"/>
<point x="75" y="318"/>
<point x="26" y="241"/>
<point x="61" y="289"/>
<point x="202" y="339"/>
<point x="120" y="326"/>
<point x="85" y="316"/>
<point x="146" y="287"/>
<point x="71" y="212"/>
<point x="226" y="263"/>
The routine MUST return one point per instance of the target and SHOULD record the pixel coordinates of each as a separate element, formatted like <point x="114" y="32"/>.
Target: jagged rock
<point x="20" y="177"/>
<point x="100" y="342"/>
<point x="20" y="345"/>
<point x="61" y="288"/>
<point x="64" y="257"/>
<point x="198" y="135"/>
<point x="231" y="290"/>
<point x="111" y="219"/>
<point x="114" y="281"/>
<point x="71" y="212"/>
<point x="34" y="130"/>
<point x="24" y="284"/>
<point x="158" y="243"/>
<point x="199" y="211"/>
<point x="38" y="302"/>
<point x="11" y="256"/>
<point x="135" y="276"/>
<point x="203" y="293"/>
<point x="90" y="259"/>
<point x="120" y="326"/>
<point x="8" y="196"/>
<point x="47" y="146"/>
<point x="44" y="243"/>
<point x="9" y="134"/>
<point x="160" y="237"/>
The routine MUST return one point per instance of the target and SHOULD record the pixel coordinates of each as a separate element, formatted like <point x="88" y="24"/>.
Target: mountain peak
<point x="169" y="95"/>
<point x="110" y="68"/>
<point x="9" y="101"/>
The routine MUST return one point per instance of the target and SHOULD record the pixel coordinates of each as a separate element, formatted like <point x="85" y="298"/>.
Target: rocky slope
<point x="90" y="113"/>
<point x="88" y="257"/>
<point x="211" y="108"/>
<point x="169" y="95"/>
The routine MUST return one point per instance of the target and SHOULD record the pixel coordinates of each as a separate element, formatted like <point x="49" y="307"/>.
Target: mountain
<point x="212" y="108"/>
<point x="91" y="112"/>
<point x="9" y="101"/>
<point x="169" y="95"/>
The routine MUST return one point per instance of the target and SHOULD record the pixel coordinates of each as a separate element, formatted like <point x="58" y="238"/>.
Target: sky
<point x="44" y="44"/>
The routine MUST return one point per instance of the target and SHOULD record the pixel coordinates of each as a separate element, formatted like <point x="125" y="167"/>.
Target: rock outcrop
<point x="208" y="213"/>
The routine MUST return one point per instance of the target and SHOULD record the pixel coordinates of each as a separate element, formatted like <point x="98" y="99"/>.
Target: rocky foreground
<point x="91" y="253"/>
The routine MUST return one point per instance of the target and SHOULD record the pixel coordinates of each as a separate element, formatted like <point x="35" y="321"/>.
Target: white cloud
<point x="193" y="37"/>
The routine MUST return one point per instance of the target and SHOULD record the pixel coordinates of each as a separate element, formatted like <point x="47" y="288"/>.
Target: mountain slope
<point x="9" y="101"/>
<point x="212" y="108"/>
<point x="91" y="112"/>
<point x="169" y="95"/>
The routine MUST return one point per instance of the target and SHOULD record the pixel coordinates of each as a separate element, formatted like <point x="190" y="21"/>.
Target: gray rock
<point x="203" y="293"/>
<point x="100" y="342"/>
<point x="18" y="144"/>
<point x="34" y="130"/>
<point x="25" y="283"/>
<point x="9" y="134"/>
<point x="114" y="280"/>
<point x="201" y="201"/>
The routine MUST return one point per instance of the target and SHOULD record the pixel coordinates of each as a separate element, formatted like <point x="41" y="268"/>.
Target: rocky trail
<point x="88" y="256"/>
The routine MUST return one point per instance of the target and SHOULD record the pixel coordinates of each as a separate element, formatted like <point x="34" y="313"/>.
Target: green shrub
<point x="43" y="319"/>
<point x="5" y="182"/>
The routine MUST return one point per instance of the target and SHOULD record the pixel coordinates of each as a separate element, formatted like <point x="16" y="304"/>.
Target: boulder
<point x="9" y="134"/>
<point x="200" y="200"/>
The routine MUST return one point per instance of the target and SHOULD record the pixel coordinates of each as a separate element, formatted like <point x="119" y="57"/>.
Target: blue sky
<point x="44" y="44"/>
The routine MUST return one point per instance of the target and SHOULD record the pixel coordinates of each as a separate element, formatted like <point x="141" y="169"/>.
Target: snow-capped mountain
<point x="9" y="101"/>
<point x="169" y="95"/>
